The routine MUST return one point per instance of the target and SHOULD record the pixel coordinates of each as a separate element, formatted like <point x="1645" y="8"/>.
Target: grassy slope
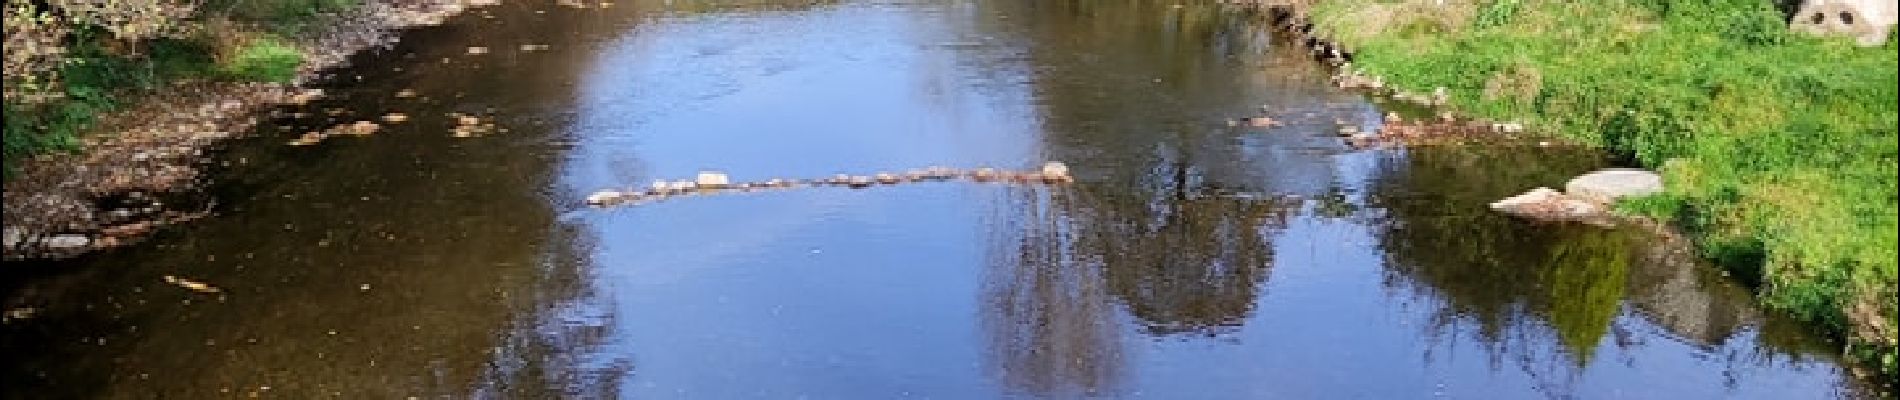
<point x="1780" y="151"/>
<point x="234" y="40"/>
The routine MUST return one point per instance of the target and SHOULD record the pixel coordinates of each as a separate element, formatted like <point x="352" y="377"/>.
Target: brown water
<point x="1190" y="261"/>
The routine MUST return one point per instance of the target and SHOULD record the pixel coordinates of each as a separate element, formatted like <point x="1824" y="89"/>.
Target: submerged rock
<point x="939" y="173"/>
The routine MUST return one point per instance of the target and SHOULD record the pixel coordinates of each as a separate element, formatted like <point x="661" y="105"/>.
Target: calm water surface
<point x="1191" y="261"/>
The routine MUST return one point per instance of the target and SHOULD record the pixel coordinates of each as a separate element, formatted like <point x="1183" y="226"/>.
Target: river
<point x="1191" y="260"/>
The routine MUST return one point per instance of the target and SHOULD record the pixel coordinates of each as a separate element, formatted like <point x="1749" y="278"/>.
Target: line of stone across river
<point x="709" y="182"/>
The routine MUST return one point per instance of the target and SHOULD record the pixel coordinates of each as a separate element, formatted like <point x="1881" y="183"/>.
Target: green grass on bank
<point x="98" y="73"/>
<point x="1779" y="150"/>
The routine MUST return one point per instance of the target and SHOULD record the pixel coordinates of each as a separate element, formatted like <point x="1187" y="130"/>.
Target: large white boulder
<point x="1867" y="21"/>
<point x="1605" y="186"/>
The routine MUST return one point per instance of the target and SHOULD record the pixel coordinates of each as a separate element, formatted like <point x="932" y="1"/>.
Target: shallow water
<point x="1190" y="260"/>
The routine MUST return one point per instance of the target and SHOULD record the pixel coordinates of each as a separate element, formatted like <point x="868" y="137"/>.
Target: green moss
<point x="265" y="59"/>
<point x="287" y="17"/>
<point x="1780" y="149"/>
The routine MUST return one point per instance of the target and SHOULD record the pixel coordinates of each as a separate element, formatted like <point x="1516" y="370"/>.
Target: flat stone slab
<point x="1605" y="186"/>
<point x="1550" y="205"/>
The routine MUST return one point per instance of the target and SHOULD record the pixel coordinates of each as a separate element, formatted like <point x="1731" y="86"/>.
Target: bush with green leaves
<point x="68" y="60"/>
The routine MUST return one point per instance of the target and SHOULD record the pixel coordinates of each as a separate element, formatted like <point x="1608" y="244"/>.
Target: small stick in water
<point x="194" y="286"/>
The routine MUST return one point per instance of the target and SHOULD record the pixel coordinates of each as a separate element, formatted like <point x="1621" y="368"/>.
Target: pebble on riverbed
<point x="308" y="138"/>
<point x="467" y="126"/>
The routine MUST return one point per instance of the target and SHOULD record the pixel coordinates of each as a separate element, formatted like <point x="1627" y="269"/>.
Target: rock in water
<point x="1549" y="204"/>
<point x="1535" y="196"/>
<point x="66" y="242"/>
<point x="1055" y="171"/>
<point x="1607" y="185"/>
<point x="602" y="198"/>
<point x="886" y="178"/>
<point x="984" y="174"/>
<point x="712" y="180"/>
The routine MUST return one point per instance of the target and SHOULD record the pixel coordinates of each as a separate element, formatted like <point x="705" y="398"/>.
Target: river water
<point x="1191" y="260"/>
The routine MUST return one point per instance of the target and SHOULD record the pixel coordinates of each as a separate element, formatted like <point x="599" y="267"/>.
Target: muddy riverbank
<point x="145" y="167"/>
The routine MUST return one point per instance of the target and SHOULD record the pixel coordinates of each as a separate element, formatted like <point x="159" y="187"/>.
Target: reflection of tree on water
<point x="1159" y="215"/>
<point x="554" y="347"/>
<point x="1545" y="295"/>
<point x="1542" y="296"/>
<point x="1047" y="316"/>
<point x="1180" y="255"/>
